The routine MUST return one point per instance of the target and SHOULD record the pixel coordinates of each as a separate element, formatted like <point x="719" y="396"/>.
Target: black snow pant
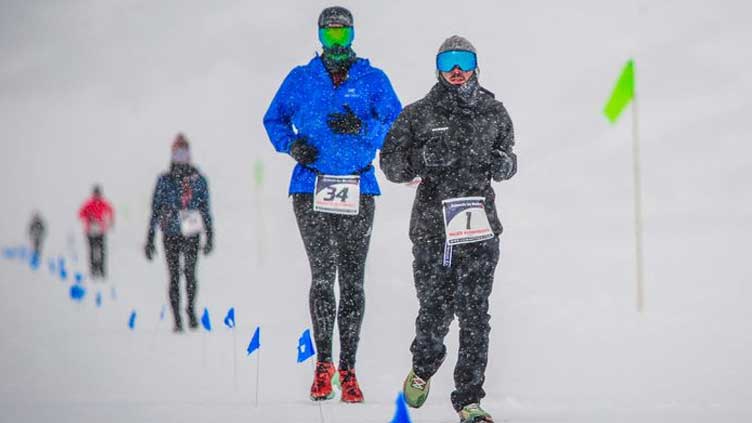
<point x="461" y="289"/>
<point x="96" y="255"/>
<point x="174" y="247"/>
<point x="337" y="246"/>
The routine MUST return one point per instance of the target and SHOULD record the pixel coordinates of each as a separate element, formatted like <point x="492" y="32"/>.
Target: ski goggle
<point x="465" y="60"/>
<point x="340" y="35"/>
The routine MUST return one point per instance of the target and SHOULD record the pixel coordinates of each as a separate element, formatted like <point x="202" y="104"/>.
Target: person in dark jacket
<point x="37" y="233"/>
<point x="456" y="140"/>
<point x="331" y="116"/>
<point x="180" y="206"/>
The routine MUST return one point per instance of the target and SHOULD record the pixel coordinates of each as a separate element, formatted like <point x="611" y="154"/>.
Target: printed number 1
<point x="469" y="216"/>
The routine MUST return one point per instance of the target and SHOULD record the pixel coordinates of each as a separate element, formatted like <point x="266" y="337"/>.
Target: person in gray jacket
<point x="457" y="139"/>
<point x="37" y="233"/>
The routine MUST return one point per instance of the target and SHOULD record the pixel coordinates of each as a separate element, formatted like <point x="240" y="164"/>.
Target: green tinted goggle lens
<point x="341" y="36"/>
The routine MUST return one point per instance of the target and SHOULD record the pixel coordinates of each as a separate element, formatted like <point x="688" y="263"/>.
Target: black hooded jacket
<point x="452" y="139"/>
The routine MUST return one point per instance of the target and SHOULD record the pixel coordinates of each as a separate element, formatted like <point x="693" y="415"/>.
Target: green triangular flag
<point x="622" y="94"/>
<point x="258" y="171"/>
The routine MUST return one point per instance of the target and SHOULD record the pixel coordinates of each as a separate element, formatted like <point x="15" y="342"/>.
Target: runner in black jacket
<point x="456" y="139"/>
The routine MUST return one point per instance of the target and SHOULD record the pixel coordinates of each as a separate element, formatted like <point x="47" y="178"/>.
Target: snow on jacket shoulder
<point x="301" y="108"/>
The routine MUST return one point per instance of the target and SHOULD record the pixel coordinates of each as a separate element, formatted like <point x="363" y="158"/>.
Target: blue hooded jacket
<point x="301" y="108"/>
<point x="166" y="202"/>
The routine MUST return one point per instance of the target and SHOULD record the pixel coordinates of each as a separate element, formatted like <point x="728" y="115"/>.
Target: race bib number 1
<point x="465" y="220"/>
<point x="191" y="222"/>
<point x="337" y="194"/>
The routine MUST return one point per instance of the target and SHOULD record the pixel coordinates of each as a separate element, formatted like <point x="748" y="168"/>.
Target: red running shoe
<point x="350" y="390"/>
<point x="322" y="381"/>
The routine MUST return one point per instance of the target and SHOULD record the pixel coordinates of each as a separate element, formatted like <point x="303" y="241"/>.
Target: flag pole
<point x="234" y="359"/>
<point x="260" y="241"/>
<point x="637" y="199"/>
<point x="258" y="367"/>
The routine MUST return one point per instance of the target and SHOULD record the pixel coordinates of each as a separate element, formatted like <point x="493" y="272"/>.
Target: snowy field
<point x="93" y="91"/>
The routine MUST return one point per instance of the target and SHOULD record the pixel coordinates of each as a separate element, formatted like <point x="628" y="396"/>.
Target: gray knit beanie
<point x="455" y="42"/>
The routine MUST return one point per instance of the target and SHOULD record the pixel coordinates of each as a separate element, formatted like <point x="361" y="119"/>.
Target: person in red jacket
<point x="97" y="217"/>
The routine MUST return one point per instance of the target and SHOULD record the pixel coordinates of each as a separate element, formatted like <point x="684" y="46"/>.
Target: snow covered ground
<point x="94" y="91"/>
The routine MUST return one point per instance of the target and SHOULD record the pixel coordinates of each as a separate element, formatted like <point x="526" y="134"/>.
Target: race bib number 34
<point x="337" y="194"/>
<point x="465" y="220"/>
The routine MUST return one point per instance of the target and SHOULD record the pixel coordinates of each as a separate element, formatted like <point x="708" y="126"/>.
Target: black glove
<point x="503" y="166"/>
<point x="345" y="123"/>
<point x="209" y="244"/>
<point x="303" y="152"/>
<point x="149" y="249"/>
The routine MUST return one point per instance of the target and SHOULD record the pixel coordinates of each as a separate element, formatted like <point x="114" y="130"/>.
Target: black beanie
<point x="335" y="15"/>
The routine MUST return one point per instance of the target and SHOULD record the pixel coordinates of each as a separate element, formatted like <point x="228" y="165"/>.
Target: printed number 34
<point x="332" y="193"/>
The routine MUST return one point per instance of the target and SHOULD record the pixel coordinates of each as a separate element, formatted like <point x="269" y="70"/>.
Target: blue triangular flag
<point x="230" y="318"/>
<point x="61" y="268"/>
<point x="34" y="262"/>
<point x="205" y="321"/>
<point x="132" y="320"/>
<point x="305" y="346"/>
<point x="401" y="415"/>
<point x="78" y="277"/>
<point x="99" y="299"/>
<point x="255" y="341"/>
<point x="162" y="312"/>
<point x="77" y="292"/>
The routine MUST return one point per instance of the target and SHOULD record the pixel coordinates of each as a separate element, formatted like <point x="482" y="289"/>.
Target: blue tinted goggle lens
<point x="447" y="60"/>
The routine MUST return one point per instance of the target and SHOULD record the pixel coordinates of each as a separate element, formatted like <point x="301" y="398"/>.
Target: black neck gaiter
<point x="465" y="95"/>
<point x="338" y="59"/>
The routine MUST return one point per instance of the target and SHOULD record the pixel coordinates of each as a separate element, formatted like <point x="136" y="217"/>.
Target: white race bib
<point x="191" y="222"/>
<point x="465" y="220"/>
<point x="337" y="194"/>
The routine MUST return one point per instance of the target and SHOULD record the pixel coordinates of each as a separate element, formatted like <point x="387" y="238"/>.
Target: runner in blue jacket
<point x="331" y="116"/>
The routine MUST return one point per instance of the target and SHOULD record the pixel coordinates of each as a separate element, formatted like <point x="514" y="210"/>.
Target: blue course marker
<point x="132" y="320"/>
<point x="98" y="299"/>
<point x="162" y="312"/>
<point x="77" y="292"/>
<point x="78" y="277"/>
<point x="61" y="268"/>
<point x="8" y="253"/>
<point x="34" y="262"/>
<point x="205" y="321"/>
<point x="230" y="318"/>
<point x="401" y="415"/>
<point x="305" y="346"/>
<point x="255" y="341"/>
